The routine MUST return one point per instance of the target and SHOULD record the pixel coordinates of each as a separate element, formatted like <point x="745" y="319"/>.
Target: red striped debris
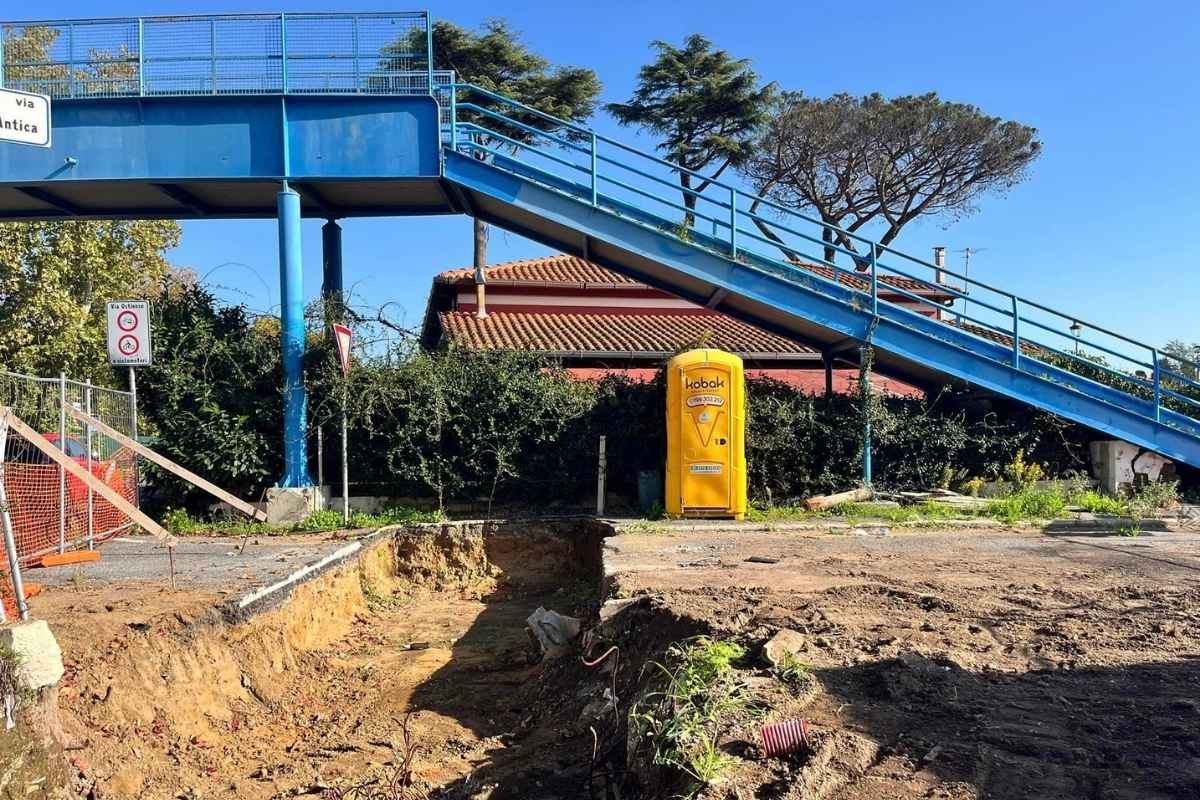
<point x="782" y="738"/>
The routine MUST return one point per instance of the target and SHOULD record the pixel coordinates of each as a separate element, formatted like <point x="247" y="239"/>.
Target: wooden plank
<point x="169" y="465"/>
<point x="831" y="500"/>
<point x="70" y="557"/>
<point x="95" y="484"/>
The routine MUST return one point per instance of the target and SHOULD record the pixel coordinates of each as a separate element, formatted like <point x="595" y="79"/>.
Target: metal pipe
<point x="71" y="59"/>
<point x="601" y="476"/>
<point x="91" y="501"/>
<point x="62" y="472"/>
<point x="595" y="180"/>
<point x="357" y="86"/>
<point x="1016" y="334"/>
<point x="320" y="457"/>
<point x="345" y="456"/>
<point x="453" y="118"/>
<point x="864" y="355"/>
<point x="733" y="222"/>
<point x="429" y="52"/>
<point x="133" y="434"/>
<point x="141" y="57"/>
<point x="212" y="53"/>
<point x="874" y="283"/>
<point x="283" y="53"/>
<point x="1157" y="387"/>
<point x="10" y="541"/>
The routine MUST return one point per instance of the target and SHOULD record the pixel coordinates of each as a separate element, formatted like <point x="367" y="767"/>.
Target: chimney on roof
<point x="480" y="292"/>
<point x="939" y="262"/>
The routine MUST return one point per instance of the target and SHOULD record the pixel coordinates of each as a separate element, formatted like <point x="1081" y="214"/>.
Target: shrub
<point x="1029" y="504"/>
<point x="683" y="721"/>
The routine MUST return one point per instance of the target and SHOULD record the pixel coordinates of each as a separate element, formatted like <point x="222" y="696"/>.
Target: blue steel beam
<point x="184" y="198"/>
<point x="42" y="196"/>
<point x="514" y="201"/>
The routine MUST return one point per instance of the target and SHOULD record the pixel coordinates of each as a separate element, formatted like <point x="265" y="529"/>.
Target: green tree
<point x="858" y="160"/>
<point x="212" y="397"/>
<point x="55" y="278"/>
<point x="495" y="58"/>
<point x="1182" y="357"/>
<point x="706" y="106"/>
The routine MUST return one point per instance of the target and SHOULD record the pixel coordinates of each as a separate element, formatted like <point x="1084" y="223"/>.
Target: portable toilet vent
<point x="706" y="435"/>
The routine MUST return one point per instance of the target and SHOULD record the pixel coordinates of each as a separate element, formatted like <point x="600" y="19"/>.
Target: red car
<point x="31" y="480"/>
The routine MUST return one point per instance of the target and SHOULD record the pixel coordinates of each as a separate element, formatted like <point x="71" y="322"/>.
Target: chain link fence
<point x="50" y="510"/>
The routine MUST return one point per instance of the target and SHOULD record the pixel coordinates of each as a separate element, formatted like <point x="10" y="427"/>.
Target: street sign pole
<point x="345" y="460"/>
<point x="342" y="338"/>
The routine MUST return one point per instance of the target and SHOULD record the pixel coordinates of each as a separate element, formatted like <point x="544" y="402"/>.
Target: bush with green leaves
<point x="211" y="400"/>
<point x="511" y="427"/>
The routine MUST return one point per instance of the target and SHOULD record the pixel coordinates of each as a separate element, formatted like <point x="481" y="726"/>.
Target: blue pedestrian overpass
<point x="342" y="115"/>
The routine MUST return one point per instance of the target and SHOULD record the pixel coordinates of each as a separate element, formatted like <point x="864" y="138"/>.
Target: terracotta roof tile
<point x="996" y="336"/>
<point x="646" y="335"/>
<point x="564" y="270"/>
<point x="560" y="270"/>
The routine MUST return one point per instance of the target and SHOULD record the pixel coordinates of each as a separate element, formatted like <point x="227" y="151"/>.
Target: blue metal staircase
<point x="581" y="192"/>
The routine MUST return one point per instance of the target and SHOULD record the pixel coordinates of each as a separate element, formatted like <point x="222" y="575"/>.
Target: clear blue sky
<point x="1106" y="227"/>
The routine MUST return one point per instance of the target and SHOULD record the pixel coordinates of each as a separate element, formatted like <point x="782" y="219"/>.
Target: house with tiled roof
<point x="597" y="321"/>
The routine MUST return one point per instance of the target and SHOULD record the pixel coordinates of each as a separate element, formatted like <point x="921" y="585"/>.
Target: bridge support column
<point x="291" y="286"/>
<point x="864" y="387"/>
<point x="331" y="262"/>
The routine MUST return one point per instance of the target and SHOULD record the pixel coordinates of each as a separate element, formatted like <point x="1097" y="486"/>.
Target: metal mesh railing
<point x="383" y="53"/>
<point x="51" y="510"/>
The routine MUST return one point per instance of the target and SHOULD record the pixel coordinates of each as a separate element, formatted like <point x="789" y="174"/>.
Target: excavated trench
<point x="405" y="672"/>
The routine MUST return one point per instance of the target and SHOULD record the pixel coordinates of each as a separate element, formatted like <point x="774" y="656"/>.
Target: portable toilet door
<point x="706" y="420"/>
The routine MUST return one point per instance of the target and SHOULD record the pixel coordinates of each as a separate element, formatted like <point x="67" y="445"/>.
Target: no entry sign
<point x="129" y="333"/>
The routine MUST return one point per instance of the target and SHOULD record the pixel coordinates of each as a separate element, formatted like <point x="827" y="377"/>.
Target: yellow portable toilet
<point x="706" y="435"/>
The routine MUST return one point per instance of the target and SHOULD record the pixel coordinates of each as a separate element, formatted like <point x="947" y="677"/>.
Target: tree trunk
<point x="830" y="252"/>
<point x="481" y="243"/>
<point x="689" y="201"/>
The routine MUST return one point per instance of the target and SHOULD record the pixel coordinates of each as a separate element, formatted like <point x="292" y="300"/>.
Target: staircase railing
<point x="739" y="224"/>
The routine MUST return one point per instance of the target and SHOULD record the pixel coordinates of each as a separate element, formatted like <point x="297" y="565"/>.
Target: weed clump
<point x="682" y="722"/>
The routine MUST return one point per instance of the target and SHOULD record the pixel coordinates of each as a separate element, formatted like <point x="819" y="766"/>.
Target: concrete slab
<point x="39" y="657"/>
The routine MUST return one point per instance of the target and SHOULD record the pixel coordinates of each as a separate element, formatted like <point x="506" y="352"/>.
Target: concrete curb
<point x="267" y="598"/>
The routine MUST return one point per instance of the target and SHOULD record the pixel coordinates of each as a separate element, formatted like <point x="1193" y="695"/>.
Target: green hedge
<point x="511" y="427"/>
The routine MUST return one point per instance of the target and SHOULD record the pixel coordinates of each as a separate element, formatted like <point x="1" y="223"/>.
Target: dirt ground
<point x="943" y="664"/>
<point x="956" y="664"/>
<point x="360" y="678"/>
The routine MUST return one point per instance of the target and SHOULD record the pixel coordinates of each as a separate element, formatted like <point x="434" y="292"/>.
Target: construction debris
<point x="944" y="497"/>
<point x="785" y="645"/>
<point x="553" y="631"/>
<point x="859" y="495"/>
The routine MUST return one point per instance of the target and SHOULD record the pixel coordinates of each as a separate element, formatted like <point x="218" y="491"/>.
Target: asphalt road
<point x="200" y="562"/>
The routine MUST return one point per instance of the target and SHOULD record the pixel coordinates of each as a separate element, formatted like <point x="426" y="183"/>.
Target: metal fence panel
<point x="51" y="510"/>
<point x="384" y="53"/>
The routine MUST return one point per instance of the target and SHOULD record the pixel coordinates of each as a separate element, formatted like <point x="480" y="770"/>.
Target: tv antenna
<point x="967" y="252"/>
